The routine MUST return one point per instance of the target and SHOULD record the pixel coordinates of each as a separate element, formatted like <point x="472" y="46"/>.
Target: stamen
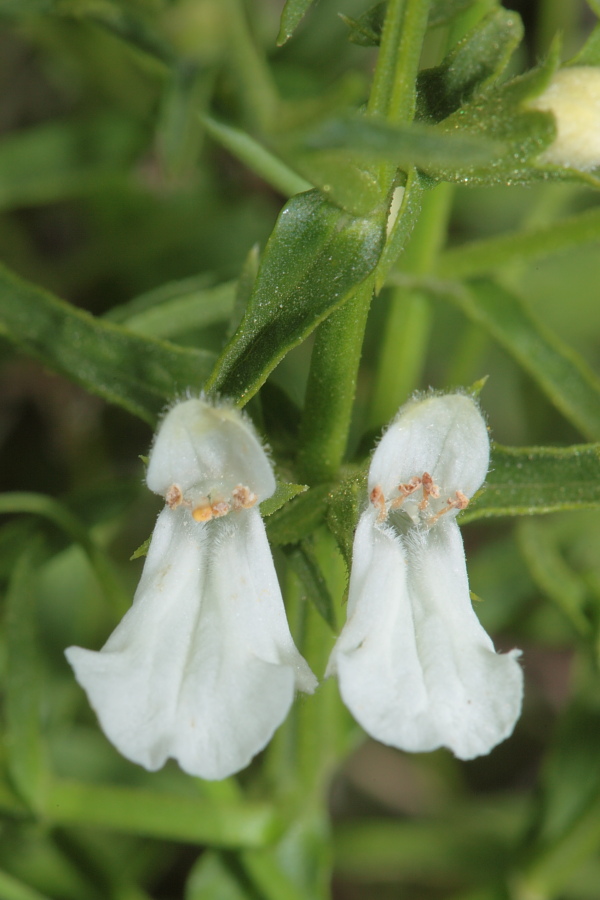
<point x="220" y="508"/>
<point x="406" y="489"/>
<point x="459" y="502"/>
<point x="243" y="497"/>
<point x="429" y="490"/>
<point x="378" y="500"/>
<point x="174" y="496"/>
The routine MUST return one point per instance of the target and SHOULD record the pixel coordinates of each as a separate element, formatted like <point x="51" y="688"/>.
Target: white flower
<point x="415" y="667"/>
<point x="573" y="96"/>
<point x="203" y="667"/>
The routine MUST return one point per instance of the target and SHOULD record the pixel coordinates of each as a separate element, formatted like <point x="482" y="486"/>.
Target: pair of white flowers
<point x="203" y="667"/>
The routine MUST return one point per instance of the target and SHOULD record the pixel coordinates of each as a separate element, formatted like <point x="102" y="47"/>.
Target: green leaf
<point x="50" y="509"/>
<point x="304" y="563"/>
<point x="314" y="258"/>
<point x="479" y="257"/>
<point x="478" y="59"/>
<point x="366" y="30"/>
<point x="570" y="777"/>
<point x="552" y="574"/>
<point x="212" y="878"/>
<point x="57" y="160"/>
<point x="25" y="756"/>
<point x="137" y="373"/>
<point x="421" y="145"/>
<point x="142" y="550"/>
<point x="532" y="480"/>
<point x="589" y="55"/>
<point x="123" y="23"/>
<point x="299" y="518"/>
<point x="12" y="889"/>
<point x="344" y="508"/>
<point x="176" y="309"/>
<point x="559" y="371"/>
<point x="284" y="492"/>
<point x="256" y="157"/>
<point x="171" y="817"/>
<point x="292" y="15"/>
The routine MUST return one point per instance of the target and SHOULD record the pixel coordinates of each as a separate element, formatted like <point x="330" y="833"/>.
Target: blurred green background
<point x="112" y="186"/>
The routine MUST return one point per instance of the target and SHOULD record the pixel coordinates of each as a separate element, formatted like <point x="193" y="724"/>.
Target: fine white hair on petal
<point x="415" y="666"/>
<point x="209" y="449"/>
<point x="444" y="435"/>
<point x="475" y="694"/>
<point x="376" y="656"/>
<point x="203" y="667"/>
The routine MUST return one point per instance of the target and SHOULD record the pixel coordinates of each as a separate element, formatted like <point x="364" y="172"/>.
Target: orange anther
<point x="202" y="513"/>
<point x="174" y="496"/>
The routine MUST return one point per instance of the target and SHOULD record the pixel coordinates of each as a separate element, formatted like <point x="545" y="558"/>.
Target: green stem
<point x="331" y="387"/>
<point x="408" y="320"/>
<point x="256" y="87"/>
<point x="336" y="355"/>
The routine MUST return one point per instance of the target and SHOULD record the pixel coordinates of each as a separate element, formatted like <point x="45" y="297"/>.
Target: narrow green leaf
<point x="137" y="373"/>
<point x="299" y="518"/>
<point x="181" y="314"/>
<point x="344" y="509"/>
<point x="284" y="492"/>
<point x="552" y="574"/>
<point x="479" y="257"/>
<point x="269" y="877"/>
<point x="532" y="480"/>
<point x="57" y="160"/>
<point x="304" y="563"/>
<point x="19" y="8"/>
<point x="142" y="550"/>
<point x="589" y="55"/>
<point x="315" y="256"/>
<point x="195" y="820"/>
<point x="421" y="145"/>
<point x="257" y="158"/>
<point x="124" y="24"/>
<point x="477" y="839"/>
<point x="366" y="30"/>
<point x="558" y="370"/>
<point x="292" y="15"/>
<point x="25" y="756"/>
<point x="12" y="889"/>
<point x="212" y="878"/>
<point x="475" y="61"/>
<point x="50" y="509"/>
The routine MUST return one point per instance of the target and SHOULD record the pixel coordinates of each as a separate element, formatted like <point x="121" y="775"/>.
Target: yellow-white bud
<point x="573" y="96"/>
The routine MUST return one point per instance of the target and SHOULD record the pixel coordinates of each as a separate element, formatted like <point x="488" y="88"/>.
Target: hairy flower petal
<point x="203" y="667"/>
<point x="415" y="667"/>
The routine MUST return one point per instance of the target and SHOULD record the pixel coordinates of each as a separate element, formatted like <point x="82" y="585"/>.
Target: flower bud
<point x="573" y="97"/>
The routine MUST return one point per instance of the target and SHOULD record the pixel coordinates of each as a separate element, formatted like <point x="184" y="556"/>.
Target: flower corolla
<point x="203" y="667"/>
<point x="573" y="97"/>
<point x="415" y="666"/>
